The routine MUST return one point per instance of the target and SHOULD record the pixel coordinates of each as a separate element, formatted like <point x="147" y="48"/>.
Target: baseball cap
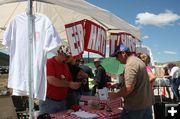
<point x="120" y="48"/>
<point x="64" y="49"/>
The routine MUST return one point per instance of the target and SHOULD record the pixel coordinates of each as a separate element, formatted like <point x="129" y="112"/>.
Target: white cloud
<point x="162" y="19"/>
<point x="159" y="53"/>
<point x="145" y="37"/>
<point x="169" y="52"/>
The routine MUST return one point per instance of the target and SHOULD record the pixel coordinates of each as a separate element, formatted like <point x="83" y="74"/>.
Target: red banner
<point x="95" y="38"/>
<point x="75" y="36"/>
<point x="122" y="38"/>
<point x="86" y="35"/>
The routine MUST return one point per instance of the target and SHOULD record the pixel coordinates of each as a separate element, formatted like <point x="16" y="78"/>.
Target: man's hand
<point x="74" y="85"/>
<point x="124" y="91"/>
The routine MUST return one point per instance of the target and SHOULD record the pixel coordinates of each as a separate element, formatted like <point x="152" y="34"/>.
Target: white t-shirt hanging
<point x="16" y="38"/>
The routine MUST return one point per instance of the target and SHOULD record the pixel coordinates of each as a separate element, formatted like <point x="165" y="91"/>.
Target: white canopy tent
<point x="62" y="12"/>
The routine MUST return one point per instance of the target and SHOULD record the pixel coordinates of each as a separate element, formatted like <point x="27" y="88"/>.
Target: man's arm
<point x="90" y="73"/>
<point x="82" y="75"/>
<point x="124" y="91"/>
<point x="167" y="76"/>
<point x="62" y="82"/>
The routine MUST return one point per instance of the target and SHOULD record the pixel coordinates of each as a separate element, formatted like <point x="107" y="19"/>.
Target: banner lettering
<point x="124" y="38"/>
<point x="75" y="36"/>
<point x="95" y="38"/>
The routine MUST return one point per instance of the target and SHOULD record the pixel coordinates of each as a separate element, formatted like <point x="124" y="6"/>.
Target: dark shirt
<point x="86" y="69"/>
<point x="74" y="70"/>
<point x="100" y="77"/>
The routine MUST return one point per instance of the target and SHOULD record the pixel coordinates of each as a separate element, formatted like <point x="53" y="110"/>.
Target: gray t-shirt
<point x="136" y="74"/>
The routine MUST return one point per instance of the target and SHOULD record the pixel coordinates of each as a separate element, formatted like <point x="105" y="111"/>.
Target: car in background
<point x="4" y="70"/>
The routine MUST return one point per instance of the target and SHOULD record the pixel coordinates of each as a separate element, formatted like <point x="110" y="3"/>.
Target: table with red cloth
<point x="115" y="105"/>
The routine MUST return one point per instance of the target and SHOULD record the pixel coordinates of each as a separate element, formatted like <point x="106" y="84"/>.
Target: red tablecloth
<point x="102" y="114"/>
<point x="115" y="103"/>
<point x="116" y="106"/>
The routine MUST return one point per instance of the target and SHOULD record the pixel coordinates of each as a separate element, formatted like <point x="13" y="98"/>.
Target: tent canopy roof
<point x="65" y="11"/>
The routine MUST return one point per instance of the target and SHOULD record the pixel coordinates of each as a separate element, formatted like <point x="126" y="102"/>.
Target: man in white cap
<point x="58" y="82"/>
<point x="136" y="90"/>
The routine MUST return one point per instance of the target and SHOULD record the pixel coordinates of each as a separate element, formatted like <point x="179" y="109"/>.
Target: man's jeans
<point x="50" y="106"/>
<point x="137" y="114"/>
<point x="175" y="87"/>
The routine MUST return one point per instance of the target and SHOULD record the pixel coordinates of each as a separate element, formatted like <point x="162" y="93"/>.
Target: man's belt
<point x="54" y="99"/>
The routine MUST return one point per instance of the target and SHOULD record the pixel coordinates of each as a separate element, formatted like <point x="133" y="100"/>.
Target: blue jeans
<point x="51" y="106"/>
<point x="174" y="86"/>
<point x="137" y="114"/>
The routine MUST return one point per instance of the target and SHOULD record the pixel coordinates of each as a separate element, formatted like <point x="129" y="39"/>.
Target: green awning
<point x="111" y="65"/>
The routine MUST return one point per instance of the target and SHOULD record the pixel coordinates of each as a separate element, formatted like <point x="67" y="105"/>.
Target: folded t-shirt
<point x="85" y="115"/>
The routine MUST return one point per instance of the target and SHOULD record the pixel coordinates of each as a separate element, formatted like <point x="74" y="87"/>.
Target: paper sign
<point x="103" y="93"/>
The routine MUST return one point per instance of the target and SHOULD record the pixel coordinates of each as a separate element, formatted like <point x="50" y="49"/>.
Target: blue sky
<point x="158" y="20"/>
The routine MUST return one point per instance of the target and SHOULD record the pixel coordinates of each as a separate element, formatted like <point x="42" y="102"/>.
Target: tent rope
<point x="12" y="14"/>
<point x="4" y="27"/>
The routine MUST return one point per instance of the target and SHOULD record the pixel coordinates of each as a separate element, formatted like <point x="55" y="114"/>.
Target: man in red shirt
<point x="58" y="82"/>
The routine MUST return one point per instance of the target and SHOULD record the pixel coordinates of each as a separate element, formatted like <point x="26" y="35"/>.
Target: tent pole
<point x="88" y="57"/>
<point x="140" y="43"/>
<point x="30" y="42"/>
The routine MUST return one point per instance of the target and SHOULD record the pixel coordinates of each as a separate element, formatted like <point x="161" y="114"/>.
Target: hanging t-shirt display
<point x="16" y="39"/>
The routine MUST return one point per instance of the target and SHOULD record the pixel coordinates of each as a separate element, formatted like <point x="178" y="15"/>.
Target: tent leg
<point x="30" y="42"/>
